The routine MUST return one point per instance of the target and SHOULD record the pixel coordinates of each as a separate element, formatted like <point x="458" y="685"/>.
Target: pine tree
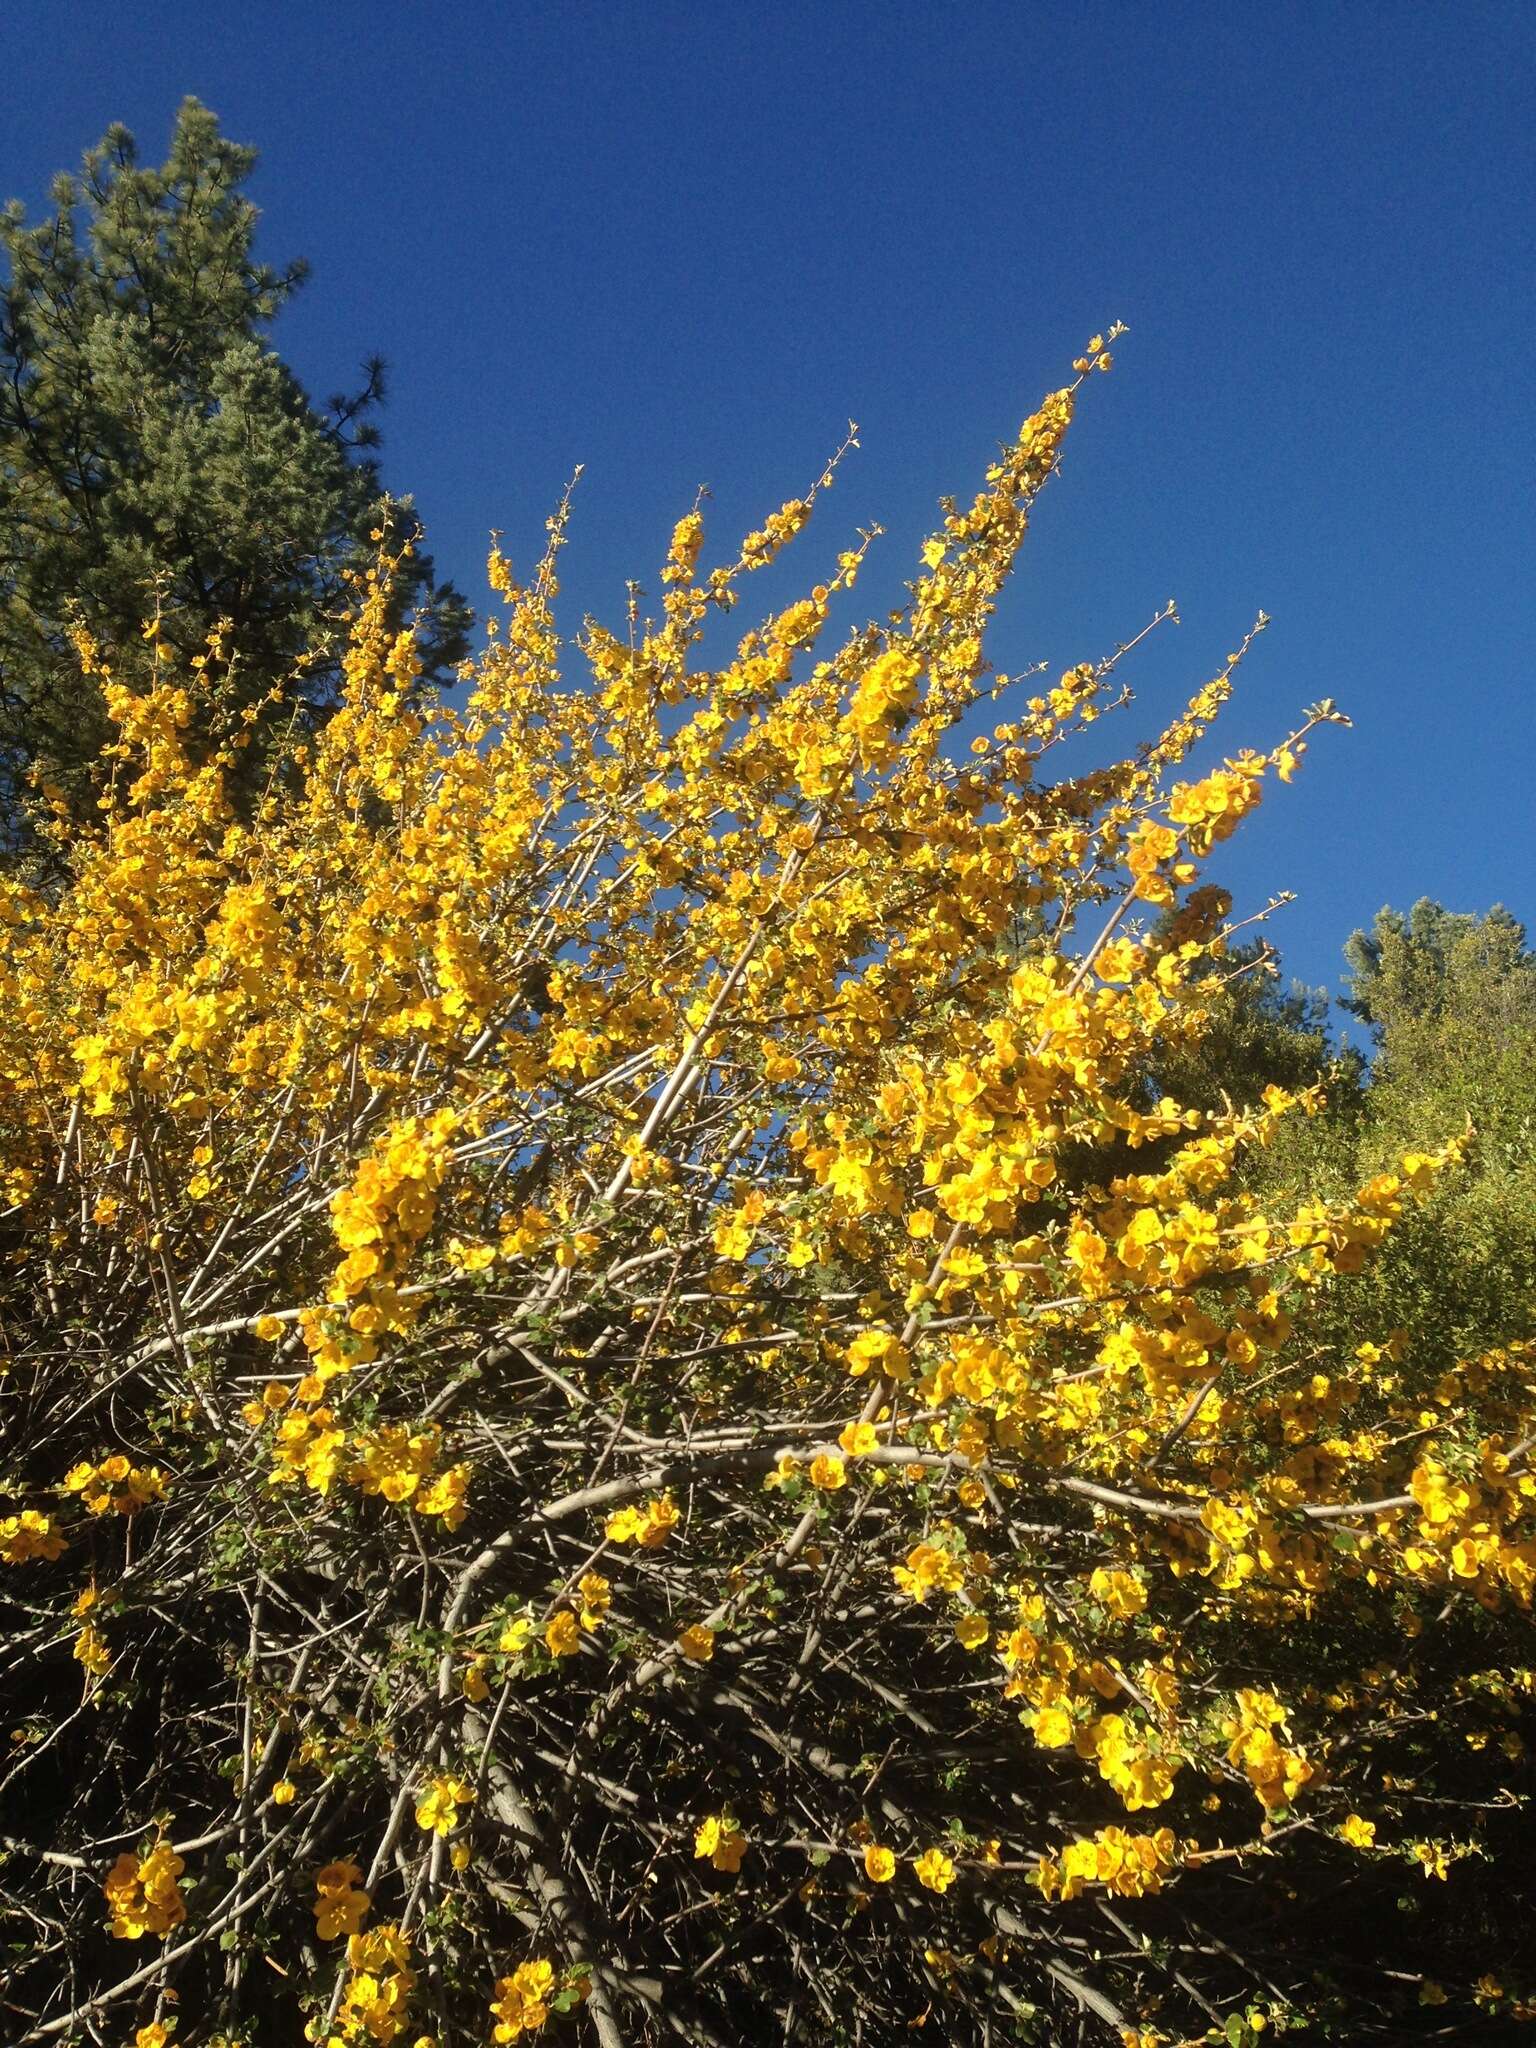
<point x="157" y="458"/>
<point x="1436" y="964"/>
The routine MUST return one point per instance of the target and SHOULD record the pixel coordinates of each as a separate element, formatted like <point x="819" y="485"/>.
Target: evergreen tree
<point x="1434" y="965"/>
<point x="1263" y="1032"/>
<point x="1450" y="999"/>
<point x="158" y="458"/>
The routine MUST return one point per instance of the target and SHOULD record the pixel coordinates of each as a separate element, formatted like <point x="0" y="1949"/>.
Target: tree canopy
<point x="633" y="1410"/>
<point x="161" y="466"/>
<point x="1436" y="965"/>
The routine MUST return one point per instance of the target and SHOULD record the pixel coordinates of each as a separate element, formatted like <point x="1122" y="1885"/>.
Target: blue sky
<point x="684" y="244"/>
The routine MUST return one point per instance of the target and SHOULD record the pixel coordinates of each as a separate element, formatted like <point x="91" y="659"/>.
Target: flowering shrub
<point x="662" y="1430"/>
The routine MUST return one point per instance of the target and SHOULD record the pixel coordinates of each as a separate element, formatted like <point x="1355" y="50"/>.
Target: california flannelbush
<point x="624" y="1414"/>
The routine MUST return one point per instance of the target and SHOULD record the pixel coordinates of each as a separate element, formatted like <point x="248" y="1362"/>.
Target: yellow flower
<point x="283" y="1792"/>
<point x="596" y="1598"/>
<point x="443" y="1495"/>
<point x="521" y="2003"/>
<point x="1122" y="1594"/>
<point x="878" y="1351"/>
<point x="29" y="1535"/>
<point x="648" y="1526"/>
<point x="1360" y="1834"/>
<point x="438" y="1808"/>
<point x="719" y="1838"/>
<point x="934" y="1870"/>
<point x="879" y="1864"/>
<point x="858" y="1439"/>
<point x="339" y="1908"/>
<point x="562" y="1634"/>
<point x="971" y="1631"/>
<point x="1053" y="1728"/>
<point x="115" y="1486"/>
<point x="378" y="1987"/>
<point x="927" y="1567"/>
<point x="513" y="1639"/>
<point x="697" y="1643"/>
<point x="91" y="1650"/>
<point x="828" y="1472"/>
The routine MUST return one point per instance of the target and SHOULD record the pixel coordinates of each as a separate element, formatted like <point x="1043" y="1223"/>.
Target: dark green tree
<point x="1262" y="1032"/>
<point x="157" y="457"/>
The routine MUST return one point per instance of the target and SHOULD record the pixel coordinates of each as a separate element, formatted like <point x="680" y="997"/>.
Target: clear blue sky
<point x="684" y="244"/>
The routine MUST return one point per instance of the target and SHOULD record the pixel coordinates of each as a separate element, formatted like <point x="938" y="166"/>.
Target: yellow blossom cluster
<point x="1212" y="808"/>
<point x="1122" y="1593"/>
<point x="143" y="1896"/>
<point x="1276" y="1772"/>
<point x="384" y="1215"/>
<point x="92" y="1651"/>
<point x="1065" y="1686"/>
<point x="649" y="1524"/>
<point x="882" y="698"/>
<point x="376" y="1995"/>
<point x="1478" y="1526"/>
<point x="1129" y="1757"/>
<point x="929" y="1569"/>
<point x="115" y="1485"/>
<point x="400" y="1463"/>
<point x="1129" y="1865"/>
<point x="30" y="1535"/>
<point x="524" y="2000"/>
<point x="395" y="1462"/>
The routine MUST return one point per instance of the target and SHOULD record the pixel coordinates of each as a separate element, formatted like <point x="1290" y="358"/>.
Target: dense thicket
<point x="676" y="1371"/>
